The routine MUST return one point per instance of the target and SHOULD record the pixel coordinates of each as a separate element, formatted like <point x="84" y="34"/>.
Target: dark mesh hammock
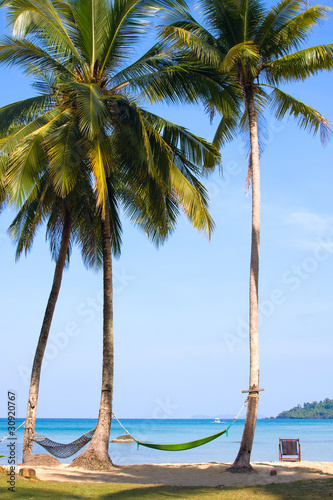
<point x="61" y="450"/>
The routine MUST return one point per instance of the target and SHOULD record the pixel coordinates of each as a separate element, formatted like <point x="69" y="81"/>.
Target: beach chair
<point x="289" y="450"/>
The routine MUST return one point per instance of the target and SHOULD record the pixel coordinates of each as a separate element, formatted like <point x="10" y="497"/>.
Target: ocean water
<point x="316" y="437"/>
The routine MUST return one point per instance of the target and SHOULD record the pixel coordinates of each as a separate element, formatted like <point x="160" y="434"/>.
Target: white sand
<point x="207" y="475"/>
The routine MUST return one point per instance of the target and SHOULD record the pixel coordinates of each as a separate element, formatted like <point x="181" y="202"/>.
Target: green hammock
<point x="182" y="446"/>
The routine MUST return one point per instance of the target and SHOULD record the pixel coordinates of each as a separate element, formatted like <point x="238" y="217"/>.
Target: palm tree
<point x="70" y="220"/>
<point x="259" y="48"/>
<point x="86" y="115"/>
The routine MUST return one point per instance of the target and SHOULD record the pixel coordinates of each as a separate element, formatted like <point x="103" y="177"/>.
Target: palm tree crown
<point x="76" y="52"/>
<point x="260" y="48"/>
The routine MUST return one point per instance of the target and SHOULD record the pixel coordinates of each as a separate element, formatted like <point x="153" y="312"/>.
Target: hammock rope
<point x="12" y="433"/>
<point x="121" y="425"/>
<point x="62" y="450"/>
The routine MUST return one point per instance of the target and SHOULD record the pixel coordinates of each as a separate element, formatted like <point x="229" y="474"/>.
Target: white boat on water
<point x="217" y="421"/>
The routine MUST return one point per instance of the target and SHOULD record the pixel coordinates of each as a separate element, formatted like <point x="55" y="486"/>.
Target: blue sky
<point x="181" y="345"/>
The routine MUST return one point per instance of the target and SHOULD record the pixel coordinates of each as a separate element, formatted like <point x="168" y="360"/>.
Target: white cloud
<point x="307" y="230"/>
<point x="310" y="245"/>
<point x="311" y="222"/>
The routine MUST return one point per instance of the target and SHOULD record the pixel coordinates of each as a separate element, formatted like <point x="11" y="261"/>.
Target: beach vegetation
<point x="321" y="410"/>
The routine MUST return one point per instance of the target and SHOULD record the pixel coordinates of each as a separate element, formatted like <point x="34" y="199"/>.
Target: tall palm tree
<point x="260" y="49"/>
<point x="77" y="51"/>
<point x="70" y="220"/>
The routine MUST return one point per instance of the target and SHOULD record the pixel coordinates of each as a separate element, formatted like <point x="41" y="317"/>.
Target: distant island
<point x="321" y="410"/>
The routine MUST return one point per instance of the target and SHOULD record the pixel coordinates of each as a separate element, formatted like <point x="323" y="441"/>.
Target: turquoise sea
<point x="316" y="437"/>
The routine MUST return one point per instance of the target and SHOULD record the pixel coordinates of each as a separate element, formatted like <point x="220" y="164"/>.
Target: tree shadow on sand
<point x="298" y="490"/>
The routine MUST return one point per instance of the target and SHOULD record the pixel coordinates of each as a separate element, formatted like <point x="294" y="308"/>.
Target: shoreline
<point x="196" y="475"/>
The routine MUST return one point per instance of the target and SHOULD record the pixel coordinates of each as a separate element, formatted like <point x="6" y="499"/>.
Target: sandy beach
<point x="198" y="475"/>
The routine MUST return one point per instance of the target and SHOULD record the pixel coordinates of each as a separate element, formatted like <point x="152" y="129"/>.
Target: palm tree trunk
<point x="242" y="462"/>
<point x="44" y="334"/>
<point x="96" y="455"/>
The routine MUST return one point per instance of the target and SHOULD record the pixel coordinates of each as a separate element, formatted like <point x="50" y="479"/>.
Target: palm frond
<point x="31" y="215"/>
<point x="92" y="19"/>
<point x="299" y="65"/>
<point x="127" y="21"/>
<point x="58" y="218"/>
<point x="3" y="189"/>
<point x="65" y="156"/>
<point x="157" y="58"/>
<point x="40" y="19"/>
<point x="24" y="53"/>
<point x="88" y="135"/>
<point x="115" y="223"/>
<point x="9" y="142"/>
<point x="92" y="109"/>
<point x="28" y="159"/>
<point x="246" y="51"/>
<point x="287" y="26"/>
<point x="149" y="208"/>
<point x="237" y="20"/>
<point x="193" y="205"/>
<point x="23" y="112"/>
<point x="308" y="117"/>
<point x="99" y="154"/>
<point x="23" y="228"/>
<point x="197" y="150"/>
<point x="194" y="38"/>
<point x="274" y="21"/>
<point x="226" y="131"/>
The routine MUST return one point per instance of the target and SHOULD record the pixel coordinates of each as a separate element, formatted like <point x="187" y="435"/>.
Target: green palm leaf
<point x="3" y="190"/>
<point x="65" y="156"/>
<point x="100" y="164"/>
<point x="226" y="130"/>
<point x="288" y="25"/>
<point x="308" y="117"/>
<point x="23" y="112"/>
<point x="27" y="54"/>
<point x="27" y="156"/>
<point x="299" y="65"/>
<point x="40" y="18"/>
<point x="92" y="110"/>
